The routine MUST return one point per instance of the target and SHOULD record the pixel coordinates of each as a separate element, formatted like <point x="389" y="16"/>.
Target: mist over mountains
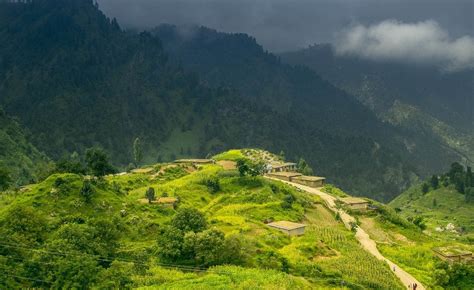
<point x="75" y="79"/>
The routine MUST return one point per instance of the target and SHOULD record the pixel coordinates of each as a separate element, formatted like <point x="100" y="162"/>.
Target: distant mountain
<point x="434" y="108"/>
<point x="75" y="79"/>
<point x="23" y="162"/>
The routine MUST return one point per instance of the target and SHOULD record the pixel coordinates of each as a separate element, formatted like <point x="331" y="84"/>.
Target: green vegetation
<point x="72" y="230"/>
<point x="116" y="86"/>
<point x="20" y="161"/>
<point x="440" y="203"/>
<point x="304" y="168"/>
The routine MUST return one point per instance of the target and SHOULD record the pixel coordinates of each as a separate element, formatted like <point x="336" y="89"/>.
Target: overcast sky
<point x="281" y="25"/>
<point x="430" y="31"/>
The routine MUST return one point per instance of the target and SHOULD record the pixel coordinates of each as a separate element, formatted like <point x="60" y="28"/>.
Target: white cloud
<point x="421" y="42"/>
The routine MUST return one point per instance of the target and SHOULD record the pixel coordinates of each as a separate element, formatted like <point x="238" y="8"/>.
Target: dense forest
<point x="433" y="107"/>
<point x="80" y="81"/>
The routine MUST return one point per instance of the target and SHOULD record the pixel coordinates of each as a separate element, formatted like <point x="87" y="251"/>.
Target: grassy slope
<point x="408" y="246"/>
<point x="439" y="207"/>
<point x="325" y="255"/>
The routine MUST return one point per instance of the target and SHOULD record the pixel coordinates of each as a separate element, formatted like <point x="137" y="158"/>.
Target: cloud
<point x="422" y="42"/>
<point x="283" y="25"/>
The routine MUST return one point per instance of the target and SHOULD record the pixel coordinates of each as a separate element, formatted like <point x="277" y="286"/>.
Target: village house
<point x="355" y="203"/>
<point x="281" y="167"/>
<point x="453" y="255"/>
<point x="312" y="181"/>
<point x="289" y="228"/>
<point x="286" y="176"/>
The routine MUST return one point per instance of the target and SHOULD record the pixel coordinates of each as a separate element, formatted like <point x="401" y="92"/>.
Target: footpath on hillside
<point x="364" y="239"/>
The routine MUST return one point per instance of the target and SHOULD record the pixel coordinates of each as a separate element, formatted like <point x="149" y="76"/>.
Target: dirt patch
<point x="227" y="164"/>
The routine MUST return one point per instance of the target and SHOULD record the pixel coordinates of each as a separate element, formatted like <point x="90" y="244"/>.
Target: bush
<point x="170" y="244"/>
<point x="87" y="191"/>
<point x="150" y="194"/>
<point x="189" y="219"/>
<point x="213" y="185"/>
<point x="273" y="260"/>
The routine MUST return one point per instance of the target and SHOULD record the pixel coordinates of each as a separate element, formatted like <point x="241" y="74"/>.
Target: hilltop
<point x="103" y="232"/>
<point x="102" y="228"/>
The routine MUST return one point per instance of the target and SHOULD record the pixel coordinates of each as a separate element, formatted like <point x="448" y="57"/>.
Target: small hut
<point x="289" y="228"/>
<point x="355" y="203"/>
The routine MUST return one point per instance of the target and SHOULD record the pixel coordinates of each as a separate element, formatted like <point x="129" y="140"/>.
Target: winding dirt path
<point x="364" y="239"/>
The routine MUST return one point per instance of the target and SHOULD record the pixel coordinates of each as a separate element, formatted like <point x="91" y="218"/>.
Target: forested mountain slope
<point x="20" y="162"/>
<point x="434" y="108"/>
<point x="76" y="80"/>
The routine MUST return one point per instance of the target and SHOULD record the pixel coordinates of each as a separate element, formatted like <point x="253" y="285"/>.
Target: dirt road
<point x="364" y="239"/>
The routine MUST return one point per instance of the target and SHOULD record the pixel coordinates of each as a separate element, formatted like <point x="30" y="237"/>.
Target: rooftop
<point x="310" y="178"/>
<point x="451" y="251"/>
<point x="202" y="161"/>
<point x="353" y="200"/>
<point x="282" y="164"/>
<point x="286" y="174"/>
<point x="286" y="225"/>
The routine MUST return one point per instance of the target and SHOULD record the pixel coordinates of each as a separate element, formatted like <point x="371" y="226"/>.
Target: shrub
<point x="189" y="219"/>
<point x="150" y="194"/>
<point x="213" y="185"/>
<point x="87" y="191"/>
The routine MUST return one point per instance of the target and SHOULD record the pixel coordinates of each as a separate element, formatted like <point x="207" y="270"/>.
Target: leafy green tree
<point x="170" y="243"/>
<point x="208" y="247"/>
<point x="98" y="162"/>
<point x="454" y="276"/>
<point x="304" y="168"/>
<point x="87" y="190"/>
<point x="434" y="182"/>
<point x="419" y="222"/>
<point x="5" y="178"/>
<point x="273" y="260"/>
<point x="137" y="152"/>
<point x="232" y="252"/>
<point x="117" y="276"/>
<point x="213" y="185"/>
<point x="243" y="167"/>
<point x="150" y="194"/>
<point x="456" y="169"/>
<point x="189" y="219"/>
<point x="71" y="164"/>
<point x="249" y="168"/>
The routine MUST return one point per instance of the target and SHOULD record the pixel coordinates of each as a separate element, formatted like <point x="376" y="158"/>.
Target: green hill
<point x="72" y="230"/>
<point x="438" y="208"/>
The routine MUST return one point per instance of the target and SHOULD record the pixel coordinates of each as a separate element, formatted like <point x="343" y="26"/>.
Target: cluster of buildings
<point x="287" y="171"/>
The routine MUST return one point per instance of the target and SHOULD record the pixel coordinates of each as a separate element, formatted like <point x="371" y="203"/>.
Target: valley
<point x="141" y="150"/>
